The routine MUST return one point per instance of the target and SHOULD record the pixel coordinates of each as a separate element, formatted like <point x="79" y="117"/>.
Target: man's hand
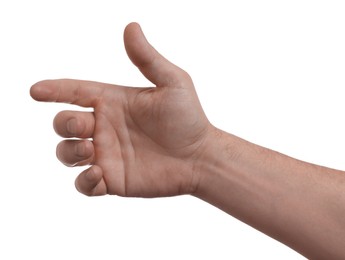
<point x="140" y="141"/>
<point x="158" y="142"/>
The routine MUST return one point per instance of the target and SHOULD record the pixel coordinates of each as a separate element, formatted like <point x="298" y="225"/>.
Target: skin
<point x="157" y="141"/>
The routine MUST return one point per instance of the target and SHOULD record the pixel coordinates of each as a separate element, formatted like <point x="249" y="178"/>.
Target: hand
<point x="141" y="142"/>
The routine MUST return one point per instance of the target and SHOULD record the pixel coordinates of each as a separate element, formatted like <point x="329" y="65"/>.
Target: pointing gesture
<point x="139" y="141"/>
<point x="157" y="141"/>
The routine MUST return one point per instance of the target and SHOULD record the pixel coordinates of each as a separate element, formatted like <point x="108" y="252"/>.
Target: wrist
<point x="217" y="154"/>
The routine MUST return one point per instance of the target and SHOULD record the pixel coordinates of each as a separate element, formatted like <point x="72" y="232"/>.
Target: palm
<point x="140" y="141"/>
<point x="144" y="140"/>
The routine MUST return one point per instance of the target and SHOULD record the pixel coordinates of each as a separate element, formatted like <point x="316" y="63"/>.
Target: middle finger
<point x="74" y="124"/>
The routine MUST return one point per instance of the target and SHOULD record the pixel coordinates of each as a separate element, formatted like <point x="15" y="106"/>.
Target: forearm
<point x="300" y="204"/>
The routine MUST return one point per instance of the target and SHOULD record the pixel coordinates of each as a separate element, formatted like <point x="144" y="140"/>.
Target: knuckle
<point x="64" y="155"/>
<point x="182" y="79"/>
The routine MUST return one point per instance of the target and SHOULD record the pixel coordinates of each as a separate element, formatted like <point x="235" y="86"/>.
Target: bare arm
<point x="300" y="204"/>
<point x="157" y="141"/>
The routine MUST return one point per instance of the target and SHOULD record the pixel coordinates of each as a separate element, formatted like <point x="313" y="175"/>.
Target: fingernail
<point x="80" y="149"/>
<point x="89" y="175"/>
<point x="72" y="126"/>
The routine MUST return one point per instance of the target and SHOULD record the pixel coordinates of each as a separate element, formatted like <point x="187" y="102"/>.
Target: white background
<point x="271" y="72"/>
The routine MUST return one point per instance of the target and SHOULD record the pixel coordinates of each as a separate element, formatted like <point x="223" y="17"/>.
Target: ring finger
<point x="75" y="152"/>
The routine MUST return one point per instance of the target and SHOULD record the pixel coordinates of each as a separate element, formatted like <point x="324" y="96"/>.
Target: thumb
<point x="150" y="62"/>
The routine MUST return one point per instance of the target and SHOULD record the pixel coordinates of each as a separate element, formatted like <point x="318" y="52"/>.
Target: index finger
<point x="78" y="92"/>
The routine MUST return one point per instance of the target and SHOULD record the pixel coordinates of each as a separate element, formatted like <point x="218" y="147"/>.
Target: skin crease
<point x="157" y="141"/>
